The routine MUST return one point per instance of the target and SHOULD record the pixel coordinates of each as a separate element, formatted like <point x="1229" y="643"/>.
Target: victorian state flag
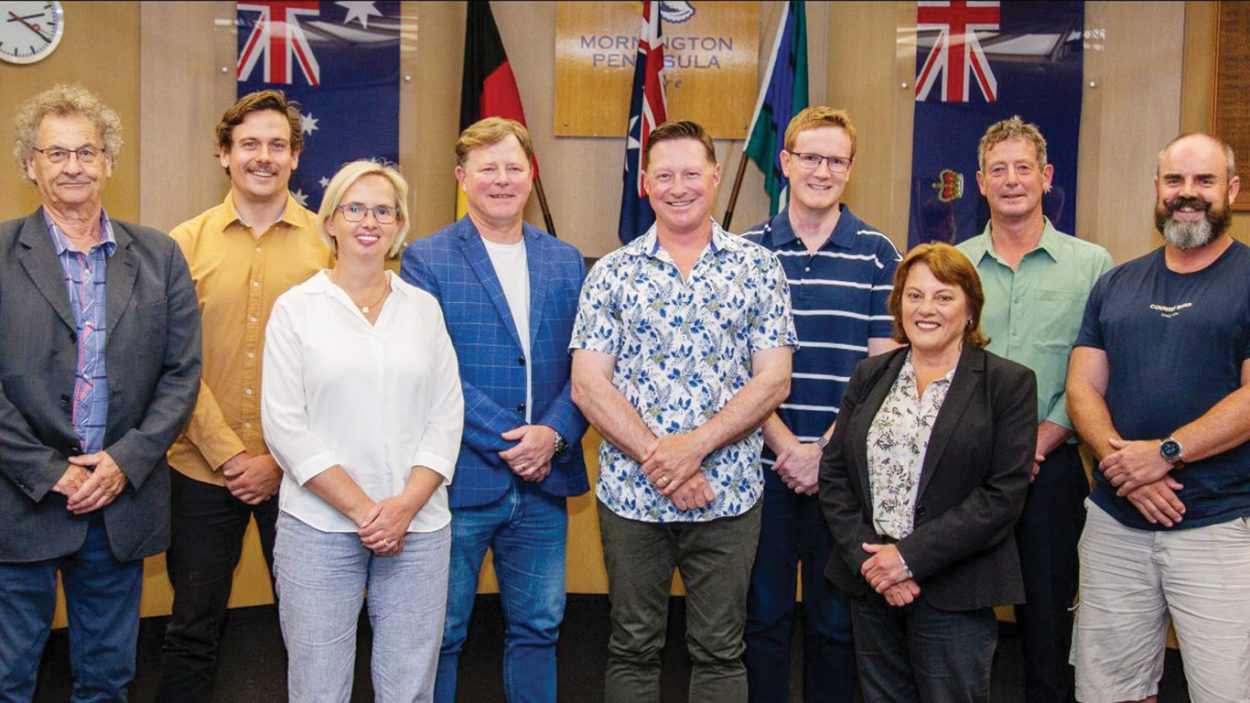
<point x="978" y="63"/>
<point x="340" y="60"/>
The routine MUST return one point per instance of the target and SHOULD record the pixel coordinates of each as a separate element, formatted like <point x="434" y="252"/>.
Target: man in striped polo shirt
<point x="840" y="270"/>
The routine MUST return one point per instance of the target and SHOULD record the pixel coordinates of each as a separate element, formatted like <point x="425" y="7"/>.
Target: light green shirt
<point x="1032" y="314"/>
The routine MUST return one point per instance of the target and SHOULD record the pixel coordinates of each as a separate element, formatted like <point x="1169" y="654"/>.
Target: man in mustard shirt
<point x="243" y="254"/>
<point x="1036" y="280"/>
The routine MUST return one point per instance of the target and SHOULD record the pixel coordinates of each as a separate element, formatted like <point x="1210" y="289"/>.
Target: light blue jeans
<point x="321" y="579"/>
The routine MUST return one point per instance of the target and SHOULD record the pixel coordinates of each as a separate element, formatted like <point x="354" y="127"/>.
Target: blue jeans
<point x="102" y="602"/>
<point x="526" y="530"/>
<point x="321" y="579"/>
<point x="793" y="530"/>
<point x="920" y="653"/>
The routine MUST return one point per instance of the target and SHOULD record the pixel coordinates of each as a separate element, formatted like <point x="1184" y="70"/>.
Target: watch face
<point x="29" y="31"/>
<point x="1170" y="449"/>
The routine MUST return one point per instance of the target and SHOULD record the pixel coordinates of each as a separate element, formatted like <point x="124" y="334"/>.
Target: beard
<point x="1191" y="235"/>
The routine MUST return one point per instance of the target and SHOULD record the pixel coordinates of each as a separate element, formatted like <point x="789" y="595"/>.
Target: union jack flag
<point x="957" y="52"/>
<point x="647" y="110"/>
<point x="278" y="37"/>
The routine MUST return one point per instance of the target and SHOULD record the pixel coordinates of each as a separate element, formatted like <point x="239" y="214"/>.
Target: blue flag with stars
<point x="340" y="61"/>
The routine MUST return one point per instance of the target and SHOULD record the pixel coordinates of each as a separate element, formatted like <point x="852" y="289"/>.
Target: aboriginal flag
<point x="488" y="88"/>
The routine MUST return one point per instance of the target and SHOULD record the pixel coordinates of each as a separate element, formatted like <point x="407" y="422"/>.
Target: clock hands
<point x="14" y="17"/>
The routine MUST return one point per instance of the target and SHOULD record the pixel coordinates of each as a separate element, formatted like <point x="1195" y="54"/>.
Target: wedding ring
<point x="662" y="482"/>
<point x="387" y="543"/>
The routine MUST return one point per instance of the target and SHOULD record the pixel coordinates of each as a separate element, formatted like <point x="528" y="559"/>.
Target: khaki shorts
<point x="1133" y="580"/>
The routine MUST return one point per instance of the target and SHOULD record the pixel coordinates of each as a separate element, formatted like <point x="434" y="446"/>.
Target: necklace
<point x="363" y="308"/>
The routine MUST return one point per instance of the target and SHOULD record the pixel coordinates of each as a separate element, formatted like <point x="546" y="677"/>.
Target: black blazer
<point x="153" y="366"/>
<point x="972" y="484"/>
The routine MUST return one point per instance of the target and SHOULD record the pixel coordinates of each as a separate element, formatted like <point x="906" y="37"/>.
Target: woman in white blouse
<point x="362" y="408"/>
<point x="922" y="484"/>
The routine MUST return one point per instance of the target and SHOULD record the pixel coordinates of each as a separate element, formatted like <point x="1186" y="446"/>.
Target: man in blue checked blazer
<point x="509" y="294"/>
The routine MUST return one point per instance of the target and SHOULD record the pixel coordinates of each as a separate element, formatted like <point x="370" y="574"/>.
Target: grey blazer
<point x="153" y="365"/>
<point x="973" y="481"/>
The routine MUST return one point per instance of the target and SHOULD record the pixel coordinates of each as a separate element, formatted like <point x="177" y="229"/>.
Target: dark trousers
<point x="205" y="545"/>
<point x="793" y="531"/>
<point x="1046" y="537"/>
<point x="918" y="653"/>
<point x="102" y="602"/>
<point x="714" y="559"/>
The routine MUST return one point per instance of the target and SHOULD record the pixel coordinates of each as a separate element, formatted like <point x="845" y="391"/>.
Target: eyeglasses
<point x="355" y="212"/>
<point x="811" y="162"/>
<point x="56" y="154"/>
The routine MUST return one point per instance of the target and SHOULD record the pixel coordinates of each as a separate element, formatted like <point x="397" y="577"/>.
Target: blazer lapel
<point x="968" y="377"/>
<point x="536" y="259"/>
<point x="479" y="261"/>
<point x="38" y="257"/>
<point x="121" y="277"/>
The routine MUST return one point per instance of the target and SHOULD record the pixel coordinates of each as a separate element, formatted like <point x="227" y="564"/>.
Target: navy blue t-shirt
<point x="1175" y="344"/>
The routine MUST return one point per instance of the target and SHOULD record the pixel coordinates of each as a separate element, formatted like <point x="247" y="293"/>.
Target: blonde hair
<point x="1011" y="128"/>
<point x="818" y="116"/>
<point x="344" y="179"/>
<point x="64" y="100"/>
<point x="489" y="132"/>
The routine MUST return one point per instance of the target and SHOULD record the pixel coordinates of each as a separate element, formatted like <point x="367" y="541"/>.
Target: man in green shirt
<point x="1036" y="280"/>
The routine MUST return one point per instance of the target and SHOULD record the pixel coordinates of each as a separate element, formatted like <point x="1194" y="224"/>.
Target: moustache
<point x="1186" y="201"/>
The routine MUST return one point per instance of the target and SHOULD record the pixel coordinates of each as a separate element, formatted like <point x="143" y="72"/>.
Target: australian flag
<point x="340" y="60"/>
<point x="978" y="63"/>
<point x="646" y="111"/>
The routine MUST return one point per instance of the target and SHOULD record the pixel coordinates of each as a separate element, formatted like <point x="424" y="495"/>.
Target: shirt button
<point x="251" y="355"/>
<point x="257" y="250"/>
<point x="807" y="269"/>
<point x="256" y="284"/>
<point x="520" y="407"/>
<point x="253" y="319"/>
<point x="520" y="360"/>
<point x="247" y="425"/>
<point x="247" y="391"/>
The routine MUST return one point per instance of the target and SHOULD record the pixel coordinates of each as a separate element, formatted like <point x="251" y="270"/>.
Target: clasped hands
<point x="1141" y="474"/>
<point x="383" y="526"/>
<point x="252" y="479"/>
<point x="673" y="466"/>
<point x="531" y="457"/>
<point x="885" y="572"/>
<point x="88" y="491"/>
<point x="798" y="467"/>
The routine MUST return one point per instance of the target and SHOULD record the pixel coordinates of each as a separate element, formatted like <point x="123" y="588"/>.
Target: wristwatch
<point x="1172" y="452"/>
<point x="561" y="445"/>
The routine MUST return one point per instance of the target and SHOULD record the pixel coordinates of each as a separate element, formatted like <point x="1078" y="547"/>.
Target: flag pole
<point x="759" y="106"/>
<point x="542" y="202"/>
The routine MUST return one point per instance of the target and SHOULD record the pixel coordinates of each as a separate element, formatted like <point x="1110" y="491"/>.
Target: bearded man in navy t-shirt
<point x="1159" y="385"/>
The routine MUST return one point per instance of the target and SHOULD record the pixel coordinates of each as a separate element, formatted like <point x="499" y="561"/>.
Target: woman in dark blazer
<point x="921" y="485"/>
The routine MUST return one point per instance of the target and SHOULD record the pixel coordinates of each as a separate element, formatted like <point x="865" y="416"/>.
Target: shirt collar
<point x="781" y="232"/>
<point x="1050" y="243"/>
<point x="61" y="242"/>
<point x="288" y="215"/>
<point x="649" y="243"/>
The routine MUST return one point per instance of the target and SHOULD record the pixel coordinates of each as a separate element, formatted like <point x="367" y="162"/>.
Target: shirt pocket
<point x="1057" y="318"/>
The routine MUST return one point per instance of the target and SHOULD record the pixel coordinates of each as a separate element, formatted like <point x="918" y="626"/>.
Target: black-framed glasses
<point x="811" y="162"/>
<point x="86" y="154"/>
<point x="355" y="212"/>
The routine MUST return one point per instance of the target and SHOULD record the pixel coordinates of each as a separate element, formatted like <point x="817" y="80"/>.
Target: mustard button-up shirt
<point x="237" y="278"/>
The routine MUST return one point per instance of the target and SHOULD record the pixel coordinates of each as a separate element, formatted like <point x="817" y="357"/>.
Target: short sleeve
<point x="773" y="322"/>
<point x="1090" y="334"/>
<point x="881" y="322"/>
<point x="598" y="326"/>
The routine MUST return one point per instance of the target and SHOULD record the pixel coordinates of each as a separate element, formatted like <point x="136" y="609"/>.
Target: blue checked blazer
<point x="453" y="266"/>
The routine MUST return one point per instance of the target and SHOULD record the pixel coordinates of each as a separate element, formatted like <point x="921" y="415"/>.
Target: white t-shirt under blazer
<point x="375" y="399"/>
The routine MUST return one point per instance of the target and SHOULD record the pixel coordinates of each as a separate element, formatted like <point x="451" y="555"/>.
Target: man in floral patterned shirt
<point x="682" y="347"/>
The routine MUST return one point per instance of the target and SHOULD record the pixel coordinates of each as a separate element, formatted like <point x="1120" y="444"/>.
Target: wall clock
<point x="30" y="31"/>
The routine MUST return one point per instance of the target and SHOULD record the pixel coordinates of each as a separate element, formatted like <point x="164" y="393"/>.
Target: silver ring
<point x="663" y="481"/>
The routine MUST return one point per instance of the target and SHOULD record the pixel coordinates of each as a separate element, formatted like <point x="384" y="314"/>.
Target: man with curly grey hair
<point x="99" y="368"/>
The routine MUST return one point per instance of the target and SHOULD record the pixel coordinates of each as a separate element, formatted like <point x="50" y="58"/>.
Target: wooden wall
<point x="160" y="65"/>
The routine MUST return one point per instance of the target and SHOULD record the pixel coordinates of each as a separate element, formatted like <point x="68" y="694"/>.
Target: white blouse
<point x="377" y="399"/>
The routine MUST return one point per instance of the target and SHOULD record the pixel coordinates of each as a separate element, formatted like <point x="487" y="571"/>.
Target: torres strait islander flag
<point x="977" y="63"/>
<point x="340" y="60"/>
<point x="488" y="88"/>
<point x="647" y="110"/>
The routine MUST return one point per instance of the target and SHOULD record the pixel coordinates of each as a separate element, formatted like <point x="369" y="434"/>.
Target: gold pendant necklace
<point x="363" y="308"/>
